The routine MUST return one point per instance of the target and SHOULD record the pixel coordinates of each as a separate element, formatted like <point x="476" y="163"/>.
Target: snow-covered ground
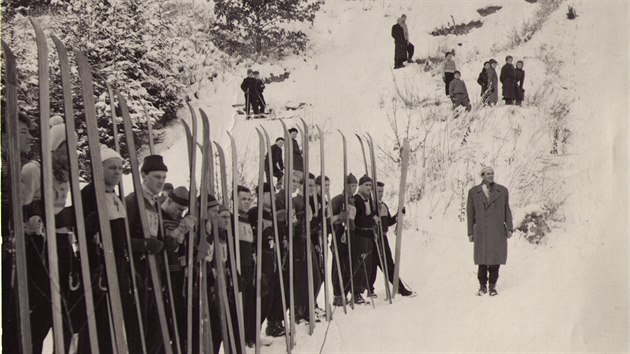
<point x="569" y="294"/>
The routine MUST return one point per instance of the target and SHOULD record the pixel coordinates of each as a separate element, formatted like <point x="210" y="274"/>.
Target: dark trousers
<point x="484" y="270"/>
<point x="448" y="77"/>
<point x="252" y="103"/>
<point x="362" y="248"/>
<point x="390" y="265"/>
<point x="402" y="53"/>
<point x="508" y="101"/>
<point x="342" y="249"/>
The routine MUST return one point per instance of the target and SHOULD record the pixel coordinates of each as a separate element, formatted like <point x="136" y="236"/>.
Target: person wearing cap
<point x="508" y="81"/>
<point x="276" y="162"/>
<point x="115" y="212"/>
<point x="449" y="69"/>
<point x="493" y="83"/>
<point x="260" y="88"/>
<point x="298" y="160"/>
<point x="10" y="336"/>
<point x="341" y="213"/>
<point x="365" y="221"/>
<point x="458" y="92"/>
<point x="176" y="228"/>
<point x="403" y="49"/>
<point x="249" y="87"/>
<point x="153" y="173"/>
<point x="489" y="227"/>
<point x="387" y="220"/>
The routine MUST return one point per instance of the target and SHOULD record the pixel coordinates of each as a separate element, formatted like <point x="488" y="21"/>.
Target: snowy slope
<point x="567" y="295"/>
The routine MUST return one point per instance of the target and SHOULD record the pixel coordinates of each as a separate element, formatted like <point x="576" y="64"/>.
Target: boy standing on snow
<point x="458" y="92"/>
<point x="249" y="87"/>
<point x="403" y="50"/>
<point x="260" y="87"/>
<point x="489" y="227"/>
<point x="508" y="79"/>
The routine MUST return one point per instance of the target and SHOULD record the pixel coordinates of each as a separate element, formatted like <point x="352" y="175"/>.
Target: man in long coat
<point x="403" y="49"/>
<point x="489" y="227"/>
<point x="508" y="80"/>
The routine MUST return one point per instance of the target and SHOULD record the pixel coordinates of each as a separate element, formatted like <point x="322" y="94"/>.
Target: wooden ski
<point x="192" y="153"/>
<point x="400" y="218"/>
<point x="134" y="282"/>
<point x="259" y="235"/>
<point x="155" y="274"/>
<point x="77" y="203"/>
<point x="288" y="190"/>
<point x="324" y="237"/>
<point x="277" y="240"/>
<point x="307" y="223"/>
<point x="365" y="163"/>
<point x="17" y="214"/>
<point x="47" y="187"/>
<point x="380" y="244"/>
<point x="87" y="89"/>
<point x="223" y="286"/>
<point x="347" y="221"/>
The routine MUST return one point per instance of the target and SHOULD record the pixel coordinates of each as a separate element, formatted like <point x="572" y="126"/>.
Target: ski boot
<point x="482" y="290"/>
<point x="493" y="290"/>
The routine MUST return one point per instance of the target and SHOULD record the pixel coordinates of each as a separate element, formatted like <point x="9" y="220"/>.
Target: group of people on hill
<point x="512" y="78"/>
<point x="165" y="230"/>
<point x="253" y="88"/>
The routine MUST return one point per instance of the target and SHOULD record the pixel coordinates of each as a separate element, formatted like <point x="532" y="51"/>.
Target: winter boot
<point x="482" y="290"/>
<point x="338" y="301"/>
<point x="359" y="300"/>
<point x="406" y="292"/>
<point x="372" y="294"/>
<point x="275" y="329"/>
<point x="493" y="290"/>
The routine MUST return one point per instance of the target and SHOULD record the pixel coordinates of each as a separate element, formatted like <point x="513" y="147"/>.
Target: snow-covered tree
<point x="263" y="26"/>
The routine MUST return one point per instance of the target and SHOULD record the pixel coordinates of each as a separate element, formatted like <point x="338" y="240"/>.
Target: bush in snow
<point x="534" y="227"/>
<point x="457" y="29"/>
<point x="571" y="13"/>
<point x="522" y="34"/>
<point x="249" y="27"/>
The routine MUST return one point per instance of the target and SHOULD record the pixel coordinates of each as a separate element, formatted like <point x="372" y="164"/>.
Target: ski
<point x="324" y="236"/>
<point x="77" y="202"/>
<point x="347" y="221"/>
<point x="365" y="162"/>
<point x="401" y="204"/>
<point x="289" y="216"/>
<point x="309" y="247"/>
<point x="226" y="319"/>
<point x="17" y="214"/>
<point x="87" y="89"/>
<point x="380" y="241"/>
<point x="259" y="235"/>
<point x="277" y="240"/>
<point x="47" y="186"/>
<point x="134" y="281"/>
<point x="235" y="240"/>
<point x="207" y="184"/>
<point x="192" y="156"/>
<point x="135" y="172"/>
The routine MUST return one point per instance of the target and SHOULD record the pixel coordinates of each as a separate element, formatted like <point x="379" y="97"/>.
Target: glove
<point x="188" y="223"/>
<point x="34" y="225"/>
<point x="471" y="238"/>
<point x="153" y="246"/>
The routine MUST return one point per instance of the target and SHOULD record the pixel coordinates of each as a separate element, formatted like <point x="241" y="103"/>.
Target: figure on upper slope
<point x="403" y="49"/>
<point x="276" y="161"/>
<point x="520" y="78"/>
<point x="508" y="80"/>
<point x="250" y="89"/>
<point x="458" y="92"/>
<point x="298" y="160"/>
<point x="260" y="87"/>
<point x="493" y="83"/>
<point x="489" y="227"/>
<point x="449" y="71"/>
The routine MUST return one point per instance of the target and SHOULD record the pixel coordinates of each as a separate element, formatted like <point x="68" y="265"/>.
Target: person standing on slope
<point x="449" y="71"/>
<point x="249" y="87"/>
<point x="489" y="227"/>
<point x="341" y="213"/>
<point x="482" y="80"/>
<point x="458" y="92"/>
<point x="493" y="83"/>
<point x="508" y="80"/>
<point x="520" y="78"/>
<point x="366" y="220"/>
<point x="403" y="49"/>
<point x="260" y="87"/>
<point x="276" y="161"/>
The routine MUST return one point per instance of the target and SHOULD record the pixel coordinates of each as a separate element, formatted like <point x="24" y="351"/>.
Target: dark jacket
<point x="489" y="219"/>
<point x="276" y="160"/>
<point x="398" y="34"/>
<point x="482" y="80"/>
<point x="298" y="160"/>
<point x="250" y="85"/>
<point x="364" y="220"/>
<point x="508" y="79"/>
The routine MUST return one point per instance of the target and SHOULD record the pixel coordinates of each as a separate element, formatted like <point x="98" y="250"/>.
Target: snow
<point x="569" y="294"/>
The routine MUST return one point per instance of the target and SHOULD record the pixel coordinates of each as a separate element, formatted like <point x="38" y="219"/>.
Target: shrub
<point x="521" y="35"/>
<point x="571" y="13"/>
<point x="456" y="29"/>
<point x="534" y="226"/>
<point x="488" y="10"/>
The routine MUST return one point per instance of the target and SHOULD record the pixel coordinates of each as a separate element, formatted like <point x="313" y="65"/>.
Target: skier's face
<point x="280" y="143"/>
<point x="154" y="181"/>
<point x="294" y="135"/>
<point x="488" y="176"/>
<point x="25" y="138"/>
<point x="510" y="60"/>
<point x="519" y="65"/>
<point x="379" y="192"/>
<point x="224" y="220"/>
<point x="365" y="189"/>
<point x="296" y="181"/>
<point x="311" y="186"/>
<point x="457" y="76"/>
<point x="352" y="188"/>
<point x="494" y="65"/>
<point x="326" y="188"/>
<point x="486" y="66"/>
<point x="174" y="209"/>
<point x="112" y="172"/>
<point x="244" y="201"/>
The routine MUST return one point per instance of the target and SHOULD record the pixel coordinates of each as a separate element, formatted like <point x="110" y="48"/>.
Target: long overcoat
<point x="400" y="43"/>
<point x="508" y="79"/>
<point x="489" y="220"/>
<point x="493" y="80"/>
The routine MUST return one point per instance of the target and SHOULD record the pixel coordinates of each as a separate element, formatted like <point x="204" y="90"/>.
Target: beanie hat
<point x="293" y="130"/>
<point x="153" y="163"/>
<point x="318" y="180"/>
<point x="311" y="176"/>
<point x="364" y="179"/>
<point x="180" y="196"/>
<point x="457" y="72"/>
<point x="57" y="132"/>
<point x="212" y="201"/>
<point x="351" y="179"/>
<point x="486" y="169"/>
<point x="492" y="61"/>
<point x="380" y="184"/>
<point x="108" y="153"/>
<point x="223" y="208"/>
<point x="167" y="187"/>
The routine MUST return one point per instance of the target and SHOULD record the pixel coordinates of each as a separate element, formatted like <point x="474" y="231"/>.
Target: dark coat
<point x="493" y="80"/>
<point x="398" y="33"/>
<point x="508" y="79"/>
<point x="276" y="160"/>
<point x="520" y="79"/>
<point x="298" y="160"/>
<point x="482" y="80"/>
<point x="488" y="221"/>
<point x="250" y="85"/>
<point x="400" y="43"/>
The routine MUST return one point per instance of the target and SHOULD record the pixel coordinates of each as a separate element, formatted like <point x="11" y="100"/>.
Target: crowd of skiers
<point x="166" y="235"/>
<point x="512" y="78"/>
<point x="253" y="88"/>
